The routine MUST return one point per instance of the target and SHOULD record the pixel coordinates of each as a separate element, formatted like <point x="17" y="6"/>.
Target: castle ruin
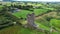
<point x="30" y="20"/>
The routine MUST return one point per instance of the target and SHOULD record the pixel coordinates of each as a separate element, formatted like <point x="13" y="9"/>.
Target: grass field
<point x="23" y="13"/>
<point x="42" y="23"/>
<point x="18" y="30"/>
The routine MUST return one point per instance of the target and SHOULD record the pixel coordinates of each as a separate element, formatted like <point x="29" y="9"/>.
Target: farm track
<point x="50" y="14"/>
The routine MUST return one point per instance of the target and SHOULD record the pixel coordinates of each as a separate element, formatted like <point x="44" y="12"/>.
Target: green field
<point x="45" y="21"/>
<point x="18" y="30"/>
<point x="23" y="13"/>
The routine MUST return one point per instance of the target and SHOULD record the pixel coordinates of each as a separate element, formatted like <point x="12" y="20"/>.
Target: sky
<point x="42" y="0"/>
<point x="39" y="0"/>
<point x="0" y="0"/>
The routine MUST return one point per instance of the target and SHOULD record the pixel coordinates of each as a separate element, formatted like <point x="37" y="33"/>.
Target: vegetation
<point x="13" y="17"/>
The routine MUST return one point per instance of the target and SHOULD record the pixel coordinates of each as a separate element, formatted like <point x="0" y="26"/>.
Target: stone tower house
<point x="30" y="20"/>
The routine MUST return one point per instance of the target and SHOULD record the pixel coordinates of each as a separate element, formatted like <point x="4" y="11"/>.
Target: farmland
<point x="14" y="18"/>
